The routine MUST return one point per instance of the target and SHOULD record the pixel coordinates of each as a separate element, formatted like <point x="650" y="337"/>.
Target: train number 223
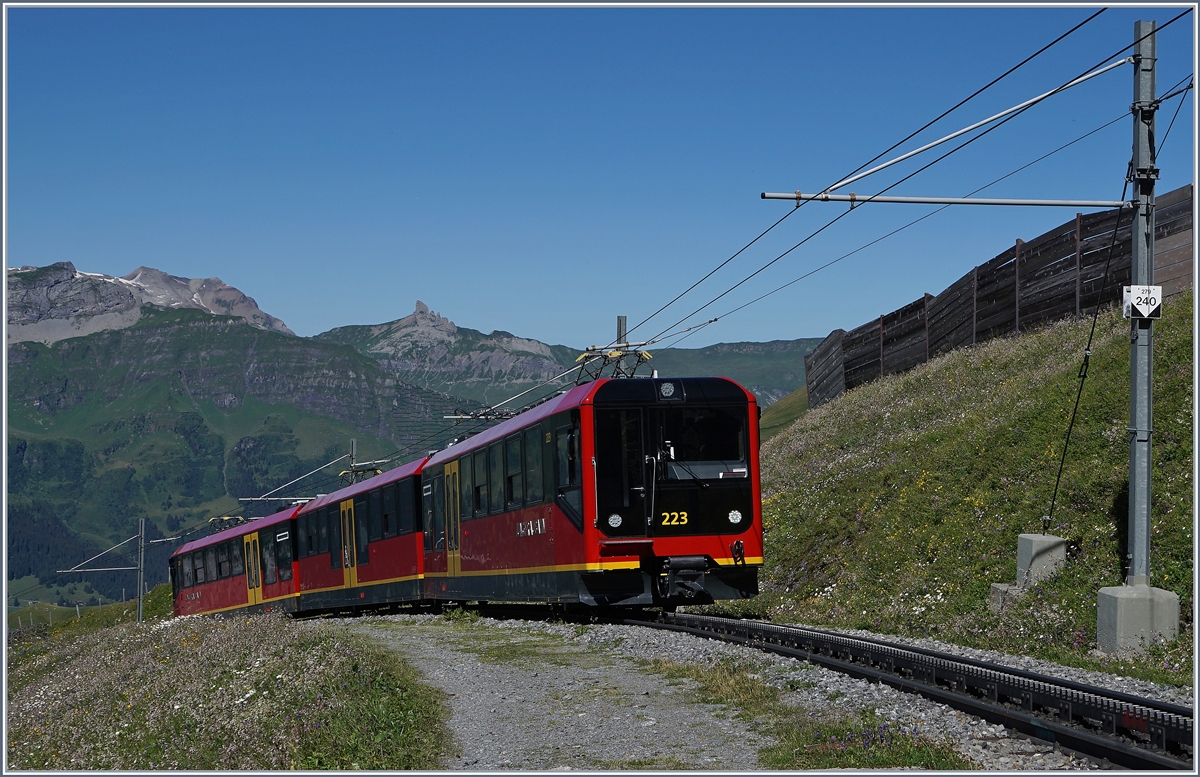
<point x="674" y="519"/>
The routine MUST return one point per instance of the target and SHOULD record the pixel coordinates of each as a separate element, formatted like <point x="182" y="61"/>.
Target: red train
<point x="627" y="492"/>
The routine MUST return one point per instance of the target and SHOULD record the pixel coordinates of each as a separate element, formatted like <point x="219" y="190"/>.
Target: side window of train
<point x="267" y="557"/>
<point x="406" y="509"/>
<point x="235" y="557"/>
<point x="439" y="513"/>
<point x="514" y="479"/>
<point x="185" y="566"/>
<point x="210" y="563"/>
<point x="322" y="522"/>
<point x="308" y="535"/>
<point x="466" y="491"/>
<point x="223" y="561"/>
<point x="481" y="482"/>
<point x="197" y="562"/>
<point x="496" y="477"/>
<point x="388" y="520"/>
<point x="427" y="511"/>
<point x="283" y="548"/>
<point x="301" y="531"/>
<point x="333" y="520"/>
<point x="568" y="476"/>
<point x="375" y="514"/>
<point x="533" y="464"/>
<point x="360" y="531"/>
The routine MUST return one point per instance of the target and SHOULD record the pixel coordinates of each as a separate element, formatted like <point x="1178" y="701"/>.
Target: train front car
<point x="676" y="491"/>
<point x="628" y="492"/>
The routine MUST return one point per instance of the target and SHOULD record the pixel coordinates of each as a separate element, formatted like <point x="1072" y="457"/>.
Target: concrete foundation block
<point x="1001" y="594"/>
<point x="1129" y="618"/>
<point x="1038" y="557"/>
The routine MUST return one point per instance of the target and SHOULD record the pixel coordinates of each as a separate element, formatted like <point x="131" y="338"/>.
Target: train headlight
<point x="735" y="517"/>
<point x="614" y="520"/>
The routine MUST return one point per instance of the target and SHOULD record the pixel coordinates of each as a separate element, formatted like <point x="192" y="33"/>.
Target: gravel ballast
<point x="535" y="695"/>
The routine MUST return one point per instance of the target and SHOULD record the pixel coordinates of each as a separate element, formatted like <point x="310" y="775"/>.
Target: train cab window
<point x="375" y="514"/>
<point x="568" y="471"/>
<point x="223" y="561"/>
<point x="185" y="567"/>
<point x="235" y="557"/>
<point x="702" y="443"/>
<point x="283" y="553"/>
<point x="210" y="563"/>
<point x="514" y="479"/>
<point x="320" y="517"/>
<point x="406" y="511"/>
<point x="481" y="482"/>
<point x="267" y="551"/>
<point x="388" y="520"/>
<point x="466" y="488"/>
<point x="533" y="464"/>
<point x="197" y="562"/>
<point x="360" y="531"/>
<point x="496" y="477"/>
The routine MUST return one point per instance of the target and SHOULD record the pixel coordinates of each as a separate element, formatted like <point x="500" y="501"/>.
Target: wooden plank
<point x="824" y="370"/>
<point x="860" y="348"/>
<point x="1174" y="197"/>
<point x="951" y="316"/>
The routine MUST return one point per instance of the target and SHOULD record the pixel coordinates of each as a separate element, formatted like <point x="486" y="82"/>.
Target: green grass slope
<point x="783" y="413"/>
<point x="895" y="506"/>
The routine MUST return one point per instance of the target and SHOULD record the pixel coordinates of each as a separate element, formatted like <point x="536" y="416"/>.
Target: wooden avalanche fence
<point x="1053" y="276"/>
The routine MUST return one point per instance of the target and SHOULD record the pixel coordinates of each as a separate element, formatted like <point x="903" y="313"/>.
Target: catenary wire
<point x="916" y="172"/>
<point x="914" y="221"/>
<point x="888" y="150"/>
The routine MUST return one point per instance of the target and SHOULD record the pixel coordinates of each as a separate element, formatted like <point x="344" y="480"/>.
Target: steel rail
<point x="977" y="688"/>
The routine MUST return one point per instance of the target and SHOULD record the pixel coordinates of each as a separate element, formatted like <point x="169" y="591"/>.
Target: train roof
<point x="349" y="492"/>
<point x="237" y="531"/>
<point x="574" y="397"/>
<point x="634" y="389"/>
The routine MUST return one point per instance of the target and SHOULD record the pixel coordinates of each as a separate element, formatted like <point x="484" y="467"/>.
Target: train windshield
<point x="706" y="443"/>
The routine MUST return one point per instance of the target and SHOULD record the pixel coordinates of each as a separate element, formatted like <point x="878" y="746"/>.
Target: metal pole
<point x="141" y="567"/>
<point x="1141" y="334"/>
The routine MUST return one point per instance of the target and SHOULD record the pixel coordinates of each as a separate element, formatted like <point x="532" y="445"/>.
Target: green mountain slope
<point x="175" y="418"/>
<point x="895" y="506"/>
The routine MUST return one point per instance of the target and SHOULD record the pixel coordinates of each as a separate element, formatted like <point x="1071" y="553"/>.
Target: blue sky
<point x="543" y="170"/>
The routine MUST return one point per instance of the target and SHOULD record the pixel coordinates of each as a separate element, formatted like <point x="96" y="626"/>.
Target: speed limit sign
<point x="1143" y="302"/>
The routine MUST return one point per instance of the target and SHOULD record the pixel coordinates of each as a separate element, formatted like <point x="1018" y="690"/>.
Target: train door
<point x="453" y="520"/>
<point x="253" y="570"/>
<point x="623" y="497"/>
<point x="349" y="565"/>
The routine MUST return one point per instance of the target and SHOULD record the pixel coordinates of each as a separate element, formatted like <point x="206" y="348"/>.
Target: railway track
<point x="1126" y="730"/>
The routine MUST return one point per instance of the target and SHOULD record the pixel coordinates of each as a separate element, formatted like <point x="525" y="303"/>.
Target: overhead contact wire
<point x="920" y="170"/>
<point x="888" y="150"/>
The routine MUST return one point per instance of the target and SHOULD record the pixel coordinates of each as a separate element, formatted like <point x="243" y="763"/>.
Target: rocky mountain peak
<point x="47" y="304"/>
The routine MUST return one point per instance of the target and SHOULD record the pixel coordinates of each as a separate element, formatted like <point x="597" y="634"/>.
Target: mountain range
<point x="168" y="398"/>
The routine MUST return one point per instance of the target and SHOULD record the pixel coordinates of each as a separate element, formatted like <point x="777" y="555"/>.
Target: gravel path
<point x="546" y="705"/>
<point x="533" y="695"/>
